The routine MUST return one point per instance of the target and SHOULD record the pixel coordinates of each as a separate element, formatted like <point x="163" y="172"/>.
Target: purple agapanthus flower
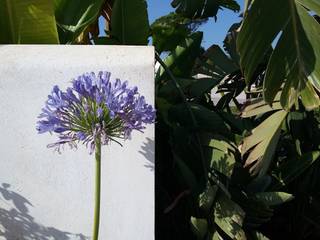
<point x="94" y="108"/>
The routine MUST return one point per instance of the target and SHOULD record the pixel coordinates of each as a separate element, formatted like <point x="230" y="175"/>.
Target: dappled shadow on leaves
<point x="222" y="163"/>
<point x="229" y="217"/>
<point x="18" y="224"/>
<point x="147" y="150"/>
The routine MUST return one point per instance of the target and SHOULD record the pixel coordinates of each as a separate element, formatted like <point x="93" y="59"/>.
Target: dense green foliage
<point x="224" y="169"/>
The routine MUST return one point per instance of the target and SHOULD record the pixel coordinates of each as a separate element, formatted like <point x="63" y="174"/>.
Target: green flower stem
<point x="97" y="189"/>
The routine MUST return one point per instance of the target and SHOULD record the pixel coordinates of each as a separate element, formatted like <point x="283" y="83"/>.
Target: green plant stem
<point x="97" y="189"/>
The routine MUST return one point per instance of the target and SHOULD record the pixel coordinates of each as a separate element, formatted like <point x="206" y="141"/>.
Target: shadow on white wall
<point x="147" y="150"/>
<point x="18" y="224"/>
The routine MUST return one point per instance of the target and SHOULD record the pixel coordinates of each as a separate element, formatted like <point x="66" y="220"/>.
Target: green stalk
<point x="97" y="189"/>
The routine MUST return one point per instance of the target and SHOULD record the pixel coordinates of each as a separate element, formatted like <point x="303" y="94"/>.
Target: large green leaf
<point x="238" y="125"/>
<point x="230" y="43"/>
<point x="206" y="120"/>
<point x="168" y="31"/>
<point x="181" y="60"/>
<point x="257" y="212"/>
<point x="229" y="217"/>
<point x="293" y="168"/>
<point x="262" y="142"/>
<point x="27" y="22"/>
<point x="259" y="236"/>
<point x="222" y="162"/>
<point x="129" y="22"/>
<point x="259" y="106"/>
<point x="206" y="199"/>
<point x="295" y="61"/>
<point x="223" y="155"/>
<point x="202" y="86"/>
<point x="215" y="63"/>
<point x="274" y="198"/>
<point x="74" y="16"/>
<point x="163" y="107"/>
<point x="202" y="8"/>
<point x="215" y="236"/>
<point x="169" y="91"/>
<point x="199" y="226"/>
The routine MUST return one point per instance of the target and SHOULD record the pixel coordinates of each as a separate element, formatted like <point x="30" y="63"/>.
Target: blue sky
<point x="214" y="32"/>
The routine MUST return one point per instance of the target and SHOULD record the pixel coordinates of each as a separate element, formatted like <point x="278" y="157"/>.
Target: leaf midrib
<point x="10" y="17"/>
<point x="122" y="22"/>
<point x="294" y="23"/>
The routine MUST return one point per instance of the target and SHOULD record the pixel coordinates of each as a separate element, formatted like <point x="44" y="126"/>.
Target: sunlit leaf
<point x="259" y="106"/>
<point x="74" y="16"/>
<point x="262" y="142"/>
<point x="229" y="217"/>
<point x="207" y="198"/>
<point x="274" y="198"/>
<point x="295" y="60"/>
<point x="223" y="156"/>
<point x="181" y="60"/>
<point x="28" y="22"/>
<point x="199" y="226"/>
<point x="216" y="236"/>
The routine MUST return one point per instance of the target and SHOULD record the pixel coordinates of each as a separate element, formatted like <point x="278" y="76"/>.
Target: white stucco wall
<point x="46" y="195"/>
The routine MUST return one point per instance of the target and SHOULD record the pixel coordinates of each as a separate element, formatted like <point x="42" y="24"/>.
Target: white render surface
<point x="50" y="196"/>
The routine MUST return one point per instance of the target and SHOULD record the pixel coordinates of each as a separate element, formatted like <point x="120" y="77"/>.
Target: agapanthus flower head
<point x="94" y="108"/>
